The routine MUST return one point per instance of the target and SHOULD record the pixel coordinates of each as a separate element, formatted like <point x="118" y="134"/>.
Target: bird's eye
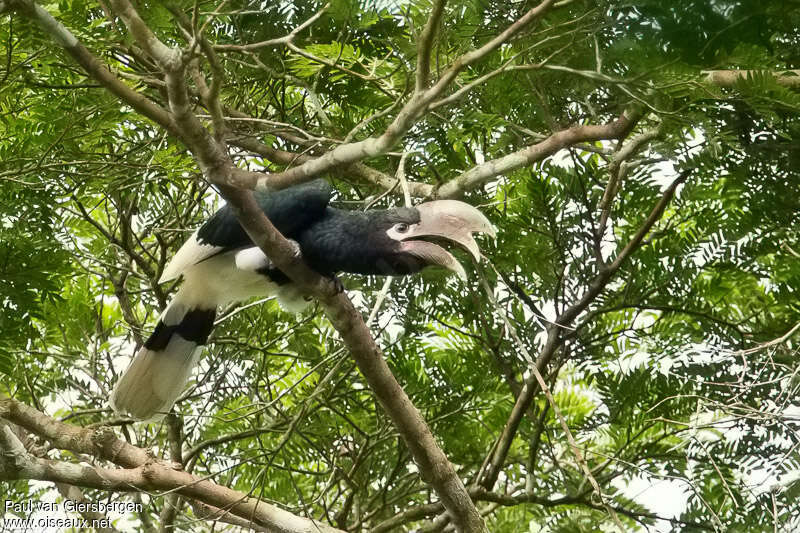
<point x="401" y="228"/>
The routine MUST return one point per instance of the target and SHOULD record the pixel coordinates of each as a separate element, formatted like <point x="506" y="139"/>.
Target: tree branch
<point x="273" y="42"/>
<point x="616" y="171"/>
<point x="480" y="174"/>
<point x="555" y="339"/>
<point x="97" y="70"/>
<point x="729" y="78"/>
<point x="357" y="170"/>
<point x="573" y="445"/>
<point x="405" y="119"/>
<point x="425" y="43"/>
<point x="142" y="471"/>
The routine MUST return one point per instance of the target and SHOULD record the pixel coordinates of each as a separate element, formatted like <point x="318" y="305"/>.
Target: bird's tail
<point x="160" y="369"/>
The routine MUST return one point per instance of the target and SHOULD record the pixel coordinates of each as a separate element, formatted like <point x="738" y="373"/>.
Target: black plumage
<point x="220" y="264"/>
<point x="331" y="240"/>
<point x="357" y="242"/>
<point x="290" y="211"/>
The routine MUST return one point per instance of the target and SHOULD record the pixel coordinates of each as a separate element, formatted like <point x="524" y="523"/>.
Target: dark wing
<point x="290" y="210"/>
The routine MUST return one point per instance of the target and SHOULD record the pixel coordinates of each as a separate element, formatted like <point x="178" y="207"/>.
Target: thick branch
<point x="153" y="477"/>
<point x="101" y="442"/>
<point x="353" y="170"/>
<point x="480" y="174"/>
<point x="728" y="78"/>
<point x="167" y="58"/>
<point x="143" y="472"/>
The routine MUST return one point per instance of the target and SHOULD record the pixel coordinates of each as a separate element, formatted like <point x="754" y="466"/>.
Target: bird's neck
<point x="348" y="241"/>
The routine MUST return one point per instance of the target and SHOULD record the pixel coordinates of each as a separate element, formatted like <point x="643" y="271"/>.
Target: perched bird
<point x="220" y="264"/>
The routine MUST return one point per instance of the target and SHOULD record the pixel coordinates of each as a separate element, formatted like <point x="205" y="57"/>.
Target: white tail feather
<point x="154" y="380"/>
<point x="158" y="374"/>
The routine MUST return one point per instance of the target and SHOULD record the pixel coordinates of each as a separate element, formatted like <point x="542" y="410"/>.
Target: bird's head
<point x="414" y="238"/>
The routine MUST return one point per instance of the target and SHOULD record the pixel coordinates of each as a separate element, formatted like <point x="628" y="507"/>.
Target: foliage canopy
<point x="650" y="328"/>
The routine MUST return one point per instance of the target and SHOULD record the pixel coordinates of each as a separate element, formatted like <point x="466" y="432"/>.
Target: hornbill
<point x="220" y="264"/>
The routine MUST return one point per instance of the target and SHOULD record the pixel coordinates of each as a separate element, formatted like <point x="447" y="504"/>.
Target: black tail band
<point x="195" y="326"/>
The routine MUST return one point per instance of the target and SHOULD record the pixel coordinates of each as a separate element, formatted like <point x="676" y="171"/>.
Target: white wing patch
<point x="252" y="259"/>
<point x="214" y="277"/>
<point x="191" y="253"/>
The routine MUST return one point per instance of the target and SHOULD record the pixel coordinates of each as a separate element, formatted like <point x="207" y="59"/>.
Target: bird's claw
<point x="296" y="251"/>
<point x="337" y="284"/>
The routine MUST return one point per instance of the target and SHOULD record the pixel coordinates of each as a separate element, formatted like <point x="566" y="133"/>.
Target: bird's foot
<point x="337" y="284"/>
<point x="295" y="248"/>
